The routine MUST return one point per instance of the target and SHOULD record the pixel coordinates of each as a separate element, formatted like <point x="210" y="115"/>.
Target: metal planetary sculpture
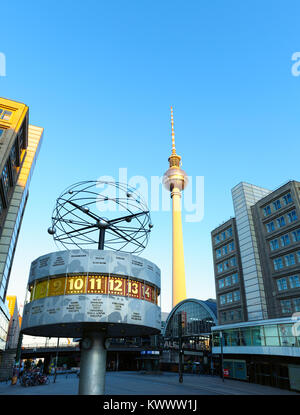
<point x="95" y="294"/>
<point x="175" y="180"/>
<point x="74" y="221"/>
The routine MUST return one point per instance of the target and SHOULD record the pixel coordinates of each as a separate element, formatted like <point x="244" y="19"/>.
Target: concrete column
<point x="92" y="365"/>
<point x="179" y="286"/>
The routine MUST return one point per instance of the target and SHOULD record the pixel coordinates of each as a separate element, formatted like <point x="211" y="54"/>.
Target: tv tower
<point x="175" y="180"/>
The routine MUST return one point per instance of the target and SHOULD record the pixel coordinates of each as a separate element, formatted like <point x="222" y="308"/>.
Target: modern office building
<point x="19" y="147"/>
<point x="257" y="274"/>
<point x="277" y="226"/>
<point x="228" y="271"/>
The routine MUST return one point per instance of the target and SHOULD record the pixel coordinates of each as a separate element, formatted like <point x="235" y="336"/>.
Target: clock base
<point x="92" y="364"/>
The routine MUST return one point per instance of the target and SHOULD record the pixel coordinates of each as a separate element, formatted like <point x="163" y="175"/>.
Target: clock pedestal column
<point x="92" y="364"/>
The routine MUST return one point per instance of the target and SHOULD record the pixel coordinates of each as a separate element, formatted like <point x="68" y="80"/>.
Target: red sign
<point x="226" y="372"/>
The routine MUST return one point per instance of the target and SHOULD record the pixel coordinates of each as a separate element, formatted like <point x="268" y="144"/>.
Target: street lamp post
<point x="180" y="348"/>
<point x="56" y="360"/>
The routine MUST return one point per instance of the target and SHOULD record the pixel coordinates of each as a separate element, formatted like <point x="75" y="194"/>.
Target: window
<point x="5" y="177"/>
<point x="22" y="139"/>
<point x="289" y="260"/>
<point x="234" y="337"/>
<point x="231" y="315"/>
<point x="257" y="338"/>
<point x="229" y="298"/>
<point x="5" y="115"/>
<point x="286" y="306"/>
<point x="298" y="256"/>
<point x="296" y="302"/>
<point x="14" y="160"/>
<point x="270" y="227"/>
<point x="282" y="284"/>
<point x="225" y="250"/>
<point x="285" y="240"/>
<point x="274" y="244"/>
<point x="281" y="222"/>
<point x="292" y="216"/>
<point x="226" y="265"/>
<point x="229" y="232"/>
<point x="278" y="264"/>
<point x="276" y="204"/>
<point x="235" y="278"/>
<point x="287" y="199"/>
<point x="296" y="235"/>
<point x="246" y="337"/>
<point x="294" y="281"/>
<point x="223" y="236"/>
<point x="228" y="281"/>
<point x="236" y="296"/>
<point x="231" y="247"/>
<point x="286" y="335"/>
<point x="223" y="316"/>
<point x="271" y="335"/>
<point x="218" y="253"/>
<point x="233" y="261"/>
<point x="217" y="239"/>
<point x="267" y="210"/>
<point x="220" y="267"/>
<point x="1" y="206"/>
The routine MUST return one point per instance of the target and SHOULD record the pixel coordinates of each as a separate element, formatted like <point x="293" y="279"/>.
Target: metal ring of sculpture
<point x="78" y="220"/>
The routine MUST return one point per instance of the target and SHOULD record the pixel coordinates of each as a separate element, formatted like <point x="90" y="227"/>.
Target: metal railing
<point x="48" y="346"/>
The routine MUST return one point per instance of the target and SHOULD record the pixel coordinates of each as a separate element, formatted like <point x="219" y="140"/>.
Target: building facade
<point x="245" y="195"/>
<point x="263" y="343"/>
<point x="19" y="147"/>
<point x="14" y="323"/>
<point x="277" y="226"/>
<point x="197" y="318"/>
<point x="229" y="273"/>
<point x="263" y="351"/>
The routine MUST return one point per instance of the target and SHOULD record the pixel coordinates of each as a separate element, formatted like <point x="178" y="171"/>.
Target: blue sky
<point x="100" y="77"/>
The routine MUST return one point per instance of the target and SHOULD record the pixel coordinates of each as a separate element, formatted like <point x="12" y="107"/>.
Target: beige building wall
<point x="17" y="204"/>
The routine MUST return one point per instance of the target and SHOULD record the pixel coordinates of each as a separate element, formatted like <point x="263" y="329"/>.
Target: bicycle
<point x="43" y="380"/>
<point x="26" y="380"/>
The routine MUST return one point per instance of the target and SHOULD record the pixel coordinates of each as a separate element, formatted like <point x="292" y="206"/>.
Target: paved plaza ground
<point x="133" y="383"/>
